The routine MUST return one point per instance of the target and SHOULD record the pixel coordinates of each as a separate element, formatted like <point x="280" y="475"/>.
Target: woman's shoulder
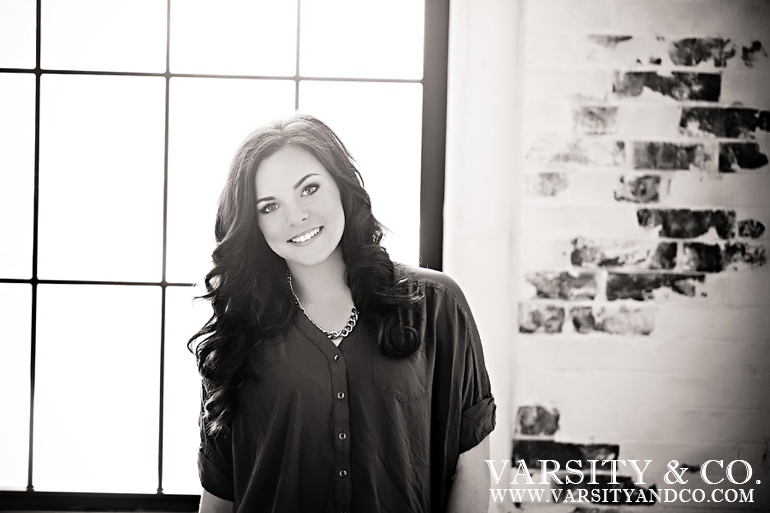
<point x="439" y="283"/>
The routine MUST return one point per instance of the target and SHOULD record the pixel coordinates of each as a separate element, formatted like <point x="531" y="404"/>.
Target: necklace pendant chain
<point x="331" y="334"/>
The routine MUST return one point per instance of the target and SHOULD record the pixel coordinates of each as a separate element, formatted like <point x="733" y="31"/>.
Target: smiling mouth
<point x="304" y="237"/>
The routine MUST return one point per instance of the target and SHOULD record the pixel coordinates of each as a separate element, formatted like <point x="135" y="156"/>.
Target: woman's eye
<point x="268" y="208"/>
<point x="309" y="189"/>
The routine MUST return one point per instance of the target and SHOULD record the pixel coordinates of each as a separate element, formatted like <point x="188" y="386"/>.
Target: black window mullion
<point x="431" y="238"/>
<point x="163" y="285"/>
<point x="33" y="281"/>
<point x="434" y="97"/>
<point x="211" y="75"/>
<point x="162" y="381"/>
<point x="296" y="58"/>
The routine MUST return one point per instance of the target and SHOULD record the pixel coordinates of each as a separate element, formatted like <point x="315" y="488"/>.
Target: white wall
<point x="682" y="376"/>
<point x="483" y="155"/>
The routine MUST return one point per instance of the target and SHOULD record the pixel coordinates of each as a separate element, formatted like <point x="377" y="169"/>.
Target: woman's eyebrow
<point x="304" y="178"/>
<point x="296" y="185"/>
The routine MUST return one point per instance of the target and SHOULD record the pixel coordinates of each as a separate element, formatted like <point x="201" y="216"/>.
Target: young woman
<point x="333" y="379"/>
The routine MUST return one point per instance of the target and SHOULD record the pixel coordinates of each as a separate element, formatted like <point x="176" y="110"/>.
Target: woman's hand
<point x="470" y="485"/>
<point x="213" y="504"/>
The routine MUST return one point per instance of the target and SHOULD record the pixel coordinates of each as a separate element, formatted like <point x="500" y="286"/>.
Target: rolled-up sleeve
<point x="463" y="410"/>
<point x="465" y="385"/>
<point x="215" y="463"/>
<point x="478" y="414"/>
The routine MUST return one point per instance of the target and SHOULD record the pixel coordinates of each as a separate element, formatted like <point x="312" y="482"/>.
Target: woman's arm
<point x="213" y="504"/>
<point x="470" y="485"/>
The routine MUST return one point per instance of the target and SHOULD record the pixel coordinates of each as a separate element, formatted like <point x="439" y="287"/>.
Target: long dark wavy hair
<point x="247" y="285"/>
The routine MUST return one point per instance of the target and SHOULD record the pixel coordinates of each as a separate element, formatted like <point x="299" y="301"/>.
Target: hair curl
<point x="247" y="285"/>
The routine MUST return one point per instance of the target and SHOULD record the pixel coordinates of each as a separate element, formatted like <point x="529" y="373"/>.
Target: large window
<point x="118" y="120"/>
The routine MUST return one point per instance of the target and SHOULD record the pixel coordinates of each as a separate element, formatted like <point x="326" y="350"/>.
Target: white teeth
<point x="306" y="236"/>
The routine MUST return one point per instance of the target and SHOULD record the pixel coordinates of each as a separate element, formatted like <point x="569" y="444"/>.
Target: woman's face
<point x="299" y="208"/>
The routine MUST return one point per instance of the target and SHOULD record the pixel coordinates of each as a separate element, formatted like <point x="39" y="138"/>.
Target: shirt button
<point x="336" y="357"/>
<point x="340" y="395"/>
<point x="343" y="435"/>
<point x="343" y="473"/>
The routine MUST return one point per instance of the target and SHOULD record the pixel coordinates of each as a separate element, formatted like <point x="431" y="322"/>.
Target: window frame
<point x="434" y="99"/>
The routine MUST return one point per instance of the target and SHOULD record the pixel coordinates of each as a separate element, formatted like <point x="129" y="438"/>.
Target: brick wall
<point x="644" y="312"/>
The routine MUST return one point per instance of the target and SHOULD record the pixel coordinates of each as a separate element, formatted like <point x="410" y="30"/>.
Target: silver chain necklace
<point x="344" y="332"/>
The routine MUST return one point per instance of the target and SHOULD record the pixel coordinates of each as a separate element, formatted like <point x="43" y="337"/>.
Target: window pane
<point x="101" y="177"/>
<point x="208" y="119"/>
<point x="354" y="38"/>
<point x="104" y="35"/>
<point x="17" y="33"/>
<point x="238" y="37"/>
<point x="96" y="416"/>
<point x="182" y="391"/>
<point x="381" y="124"/>
<point x="17" y="169"/>
<point x="15" y="320"/>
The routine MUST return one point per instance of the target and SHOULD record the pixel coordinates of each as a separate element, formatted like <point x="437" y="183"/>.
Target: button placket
<point x="341" y="424"/>
<point x="336" y="365"/>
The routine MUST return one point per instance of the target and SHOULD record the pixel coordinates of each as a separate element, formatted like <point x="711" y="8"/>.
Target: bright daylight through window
<point x="125" y="118"/>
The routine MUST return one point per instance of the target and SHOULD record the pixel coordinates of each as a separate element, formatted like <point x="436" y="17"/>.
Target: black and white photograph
<point x="360" y="256"/>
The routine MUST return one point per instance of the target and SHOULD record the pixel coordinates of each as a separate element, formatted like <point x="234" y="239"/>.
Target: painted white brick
<point x="577" y="15"/>
<point x="652" y="121"/>
<point x="642" y="51"/>
<point x="559" y="83"/>
<point x="549" y="47"/>
<point x="692" y="17"/>
<point x="717" y="426"/>
<point x="644" y="389"/>
<point x="740" y="289"/>
<point x="763" y="142"/>
<point x="549" y="117"/>
<point x="585" y="188"/>
<point x="701" y="322"/>
<point x="597" y="424"/>
<point x="652" y="355"/>
<point x="542" y="253"/>
<point x="621" y="254"/>
<point x="532" y="386"/>
<point x="757" y="61"/>
<point x="698" y="384"/>
<point x="746" y="88"/>
<point x="712" y="190"/>
<point x="649" y="97"/>
<point x="761" y="214"/>
<point x="555" y="152"/>
<point x="622" y="425"/>
<point x="567" y="222"/>
<point x="546" y="186"/>
<point x="701" y="391"/>
<point x="631" y="53"/>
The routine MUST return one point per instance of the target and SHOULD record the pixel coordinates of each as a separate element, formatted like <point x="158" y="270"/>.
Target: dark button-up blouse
<point x="347" y="429"/>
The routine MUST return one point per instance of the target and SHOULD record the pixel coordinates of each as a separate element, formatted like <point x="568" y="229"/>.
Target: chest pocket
<point x="404" y="378"/>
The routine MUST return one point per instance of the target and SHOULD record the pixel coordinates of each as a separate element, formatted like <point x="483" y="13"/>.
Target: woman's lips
<point x="305" y="236"/>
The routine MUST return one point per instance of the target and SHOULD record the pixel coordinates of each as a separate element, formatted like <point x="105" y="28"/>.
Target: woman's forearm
<point x="470" y="486"/>
<point x="213" y="504"/>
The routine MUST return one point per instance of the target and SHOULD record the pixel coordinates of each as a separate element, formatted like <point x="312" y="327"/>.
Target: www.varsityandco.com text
<point x="598" y="481"/>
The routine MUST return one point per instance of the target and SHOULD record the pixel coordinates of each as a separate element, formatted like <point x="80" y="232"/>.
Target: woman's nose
<point x="297" y="215"/>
